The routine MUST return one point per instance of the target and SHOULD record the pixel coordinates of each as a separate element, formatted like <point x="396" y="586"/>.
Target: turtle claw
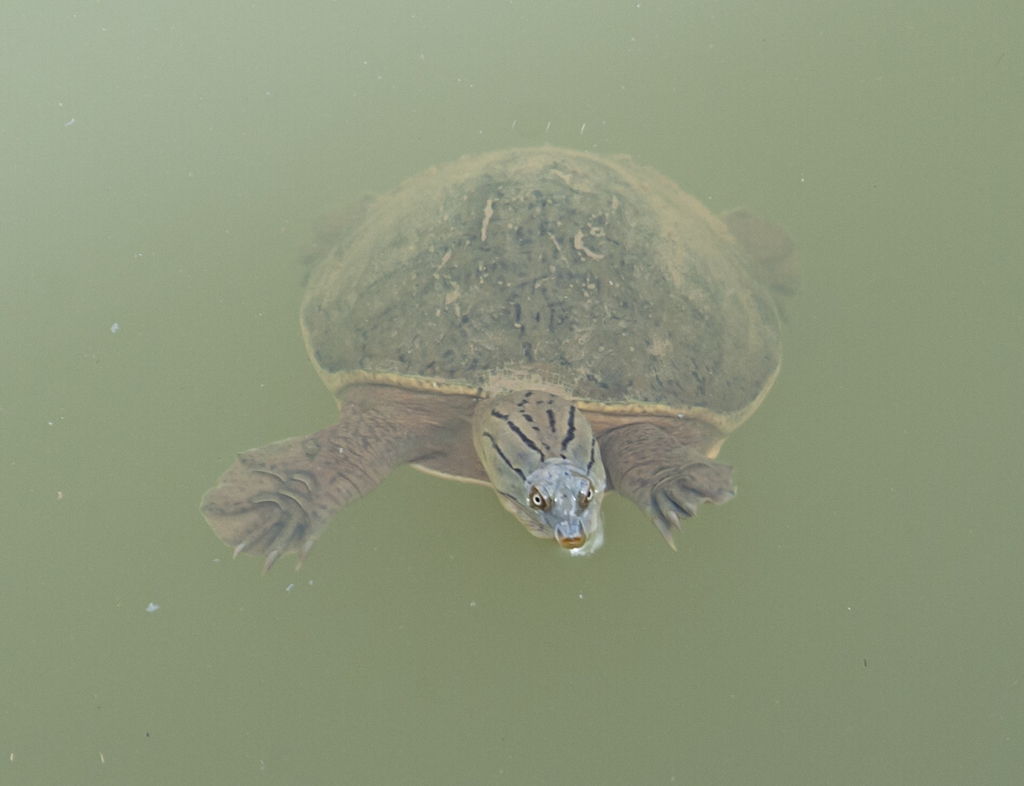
<point x="304" y="552"/>
<point x="271" y="559"/>
<point x="675" y="520"/>
<point x="665" y="520"/>
<point x="666" y="533"/>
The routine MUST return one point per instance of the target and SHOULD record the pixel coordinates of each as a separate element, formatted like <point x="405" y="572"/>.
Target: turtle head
<point x="545" y="464"/>
<point x="561" y="502"/>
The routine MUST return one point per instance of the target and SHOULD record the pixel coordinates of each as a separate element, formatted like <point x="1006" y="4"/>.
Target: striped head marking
<point x="544" y="462"/>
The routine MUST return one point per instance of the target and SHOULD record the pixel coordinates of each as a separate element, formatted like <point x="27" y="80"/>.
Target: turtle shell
<point x="553" y="269"/>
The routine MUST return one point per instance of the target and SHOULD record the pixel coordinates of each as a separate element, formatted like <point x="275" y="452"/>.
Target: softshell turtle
<point x="550" y="322"/>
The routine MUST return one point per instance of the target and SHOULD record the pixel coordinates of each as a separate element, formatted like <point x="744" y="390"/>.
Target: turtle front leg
<point x="666" y="480"/>
<point x="279" y="498"/>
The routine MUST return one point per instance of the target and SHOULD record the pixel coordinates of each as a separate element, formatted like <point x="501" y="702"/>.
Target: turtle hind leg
<point x="666" y="480"/>
<point x="771" y="253"/>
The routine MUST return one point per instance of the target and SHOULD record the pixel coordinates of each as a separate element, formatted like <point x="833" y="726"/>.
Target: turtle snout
<point x="571" y="534"/>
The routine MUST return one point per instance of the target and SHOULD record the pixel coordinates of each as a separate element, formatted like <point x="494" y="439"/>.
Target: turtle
<point x="553" y="323"/>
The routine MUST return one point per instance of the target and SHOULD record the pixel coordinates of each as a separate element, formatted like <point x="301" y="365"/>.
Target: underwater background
<point x="853" y="616"/>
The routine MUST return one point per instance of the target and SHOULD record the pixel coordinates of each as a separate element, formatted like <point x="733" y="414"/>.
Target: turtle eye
<point x="586" y="496"/>
<point x="538" y="500"/>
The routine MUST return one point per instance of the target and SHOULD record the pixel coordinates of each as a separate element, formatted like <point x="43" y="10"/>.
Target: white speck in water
<point x="115" y="327"/>
<point x="472" y="604"/>
<point x="581" y="128"/>
<point x="341" y="450"/>
<point x="152" y="607"/>
<point x="71" y="122"/>
<point x="311" y="582"/>
<point x="548" y="127"/>
<point x="581" y="596"/>
<point x="289" y="588"/>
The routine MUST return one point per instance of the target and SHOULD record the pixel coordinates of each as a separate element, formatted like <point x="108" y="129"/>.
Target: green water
<point x="854" y="616"/>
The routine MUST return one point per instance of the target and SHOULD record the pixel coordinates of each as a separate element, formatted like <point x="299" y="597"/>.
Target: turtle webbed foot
<point x="678" y="492"/>
<point x="270" y="501"/>
<point x="666" y="480"/>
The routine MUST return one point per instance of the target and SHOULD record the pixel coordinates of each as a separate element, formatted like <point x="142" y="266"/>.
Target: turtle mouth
<point x="571" y="534"/>
<point x="571" y="541"/>
<point x="588" y="543"/>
